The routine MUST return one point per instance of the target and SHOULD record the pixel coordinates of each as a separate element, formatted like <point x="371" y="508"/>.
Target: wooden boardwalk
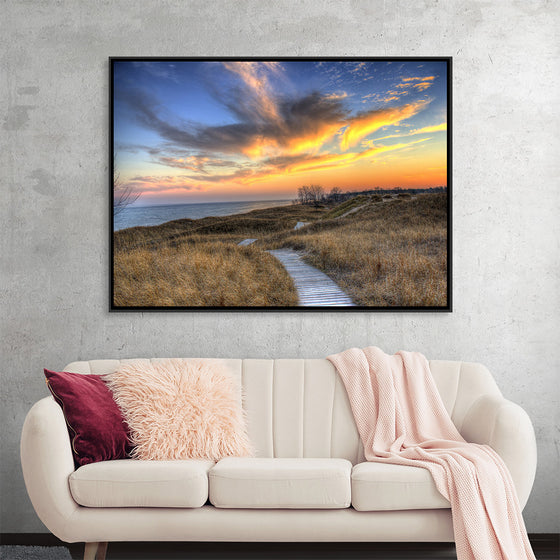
<point x="246" y="242"/>
<point x="314" y="288"/>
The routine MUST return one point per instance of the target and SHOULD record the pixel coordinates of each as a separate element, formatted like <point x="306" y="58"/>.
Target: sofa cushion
<point x="136" y="483"/>
<point x="237" y="482"/>
<point x="382" y="486"/>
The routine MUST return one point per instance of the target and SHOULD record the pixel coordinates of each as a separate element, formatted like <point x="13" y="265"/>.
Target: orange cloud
<point x="191" y="162"/>
<point x="318" y="163"/>
<point x="389" y="96"/>
<point x="359" y="66"/>
<point x="342" y="95"/>
<point x="428" y="129"/>
<point x="260" y="147"/>
<point x="425" y="130"/>
<point x="422" y="86"/>
<point x="424" y="79"/>
<point x="292" y="143"/>
<point x="312" y="141"/>
<point x="365" y="124"/>
<point x="254" y="76"/>
<point x="152" y="184"/>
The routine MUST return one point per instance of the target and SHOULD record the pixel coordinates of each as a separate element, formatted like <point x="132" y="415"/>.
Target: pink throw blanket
<point x="401" y="420"/>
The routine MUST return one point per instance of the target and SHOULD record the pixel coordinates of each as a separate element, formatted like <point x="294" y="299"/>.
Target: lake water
<point x="133" y="216"/>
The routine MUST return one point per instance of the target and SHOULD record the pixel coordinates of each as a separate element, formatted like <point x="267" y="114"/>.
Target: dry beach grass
<point x="200" y="272"/>
<point x="385" y="254"/>
<point x="382" y="254"/>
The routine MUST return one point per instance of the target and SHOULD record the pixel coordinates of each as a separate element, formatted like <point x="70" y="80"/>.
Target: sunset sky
<point x="210" y="131"/>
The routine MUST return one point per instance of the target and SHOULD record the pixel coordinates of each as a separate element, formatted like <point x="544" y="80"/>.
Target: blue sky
<point x="197" y="131"/>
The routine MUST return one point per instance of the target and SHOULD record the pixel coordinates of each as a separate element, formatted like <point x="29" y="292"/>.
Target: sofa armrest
<point x="47" y="461"/>
<point x="506" y="428"/>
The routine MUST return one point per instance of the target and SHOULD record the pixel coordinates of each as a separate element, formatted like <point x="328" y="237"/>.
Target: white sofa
<point x="308" y="482"/>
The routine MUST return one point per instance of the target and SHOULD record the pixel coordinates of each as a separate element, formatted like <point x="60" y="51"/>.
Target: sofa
<point x="308" y="480"/>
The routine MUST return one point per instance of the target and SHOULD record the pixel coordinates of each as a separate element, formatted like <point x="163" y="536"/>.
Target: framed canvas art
<point x="280" y="184"/>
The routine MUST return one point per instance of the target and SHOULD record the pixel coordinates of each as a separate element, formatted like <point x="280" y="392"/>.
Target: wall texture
<point x="54" y="221"/>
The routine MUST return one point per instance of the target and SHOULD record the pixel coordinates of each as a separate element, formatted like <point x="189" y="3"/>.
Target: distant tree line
<point x="316" y="194"/>
<point x="397" y="190"/>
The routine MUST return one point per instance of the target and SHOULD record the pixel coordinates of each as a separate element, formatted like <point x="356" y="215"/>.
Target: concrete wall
<point x="54" y="221"/>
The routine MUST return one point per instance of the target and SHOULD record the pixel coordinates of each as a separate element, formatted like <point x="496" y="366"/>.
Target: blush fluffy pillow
<point x="181" y="409"/>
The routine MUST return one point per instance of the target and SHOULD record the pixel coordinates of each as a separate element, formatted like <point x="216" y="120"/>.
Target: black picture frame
<point x="114" y="93"/>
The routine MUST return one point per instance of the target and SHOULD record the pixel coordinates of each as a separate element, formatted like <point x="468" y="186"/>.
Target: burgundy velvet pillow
<point x="97" y="429"/>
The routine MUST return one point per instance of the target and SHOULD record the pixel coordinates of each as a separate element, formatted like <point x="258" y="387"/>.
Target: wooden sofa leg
<point x="95" y="551"/>
<point x="90" y="551"/>
<point x="101" y="550"/>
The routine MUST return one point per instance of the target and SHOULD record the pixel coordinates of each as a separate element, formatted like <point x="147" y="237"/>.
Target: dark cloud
<point x="293" y="119"/>
<point x="195" y="162"/>
<point x="239" y="174"/>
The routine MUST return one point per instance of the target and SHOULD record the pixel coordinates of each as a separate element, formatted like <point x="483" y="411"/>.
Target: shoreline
<point x="199" y="211"/>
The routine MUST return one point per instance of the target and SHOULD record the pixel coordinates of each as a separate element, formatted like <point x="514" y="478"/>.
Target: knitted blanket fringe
<point x="401" y="420"/>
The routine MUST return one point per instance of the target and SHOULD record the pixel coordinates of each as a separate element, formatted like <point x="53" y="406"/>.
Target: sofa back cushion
<point x="299" y="407"/>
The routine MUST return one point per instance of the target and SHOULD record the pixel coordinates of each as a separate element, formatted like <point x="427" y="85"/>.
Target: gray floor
<point x="19" y="552"/>
<point x="546" y="550"/>
<point x="546" y="547"/>
<point x="274" y="551"/>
